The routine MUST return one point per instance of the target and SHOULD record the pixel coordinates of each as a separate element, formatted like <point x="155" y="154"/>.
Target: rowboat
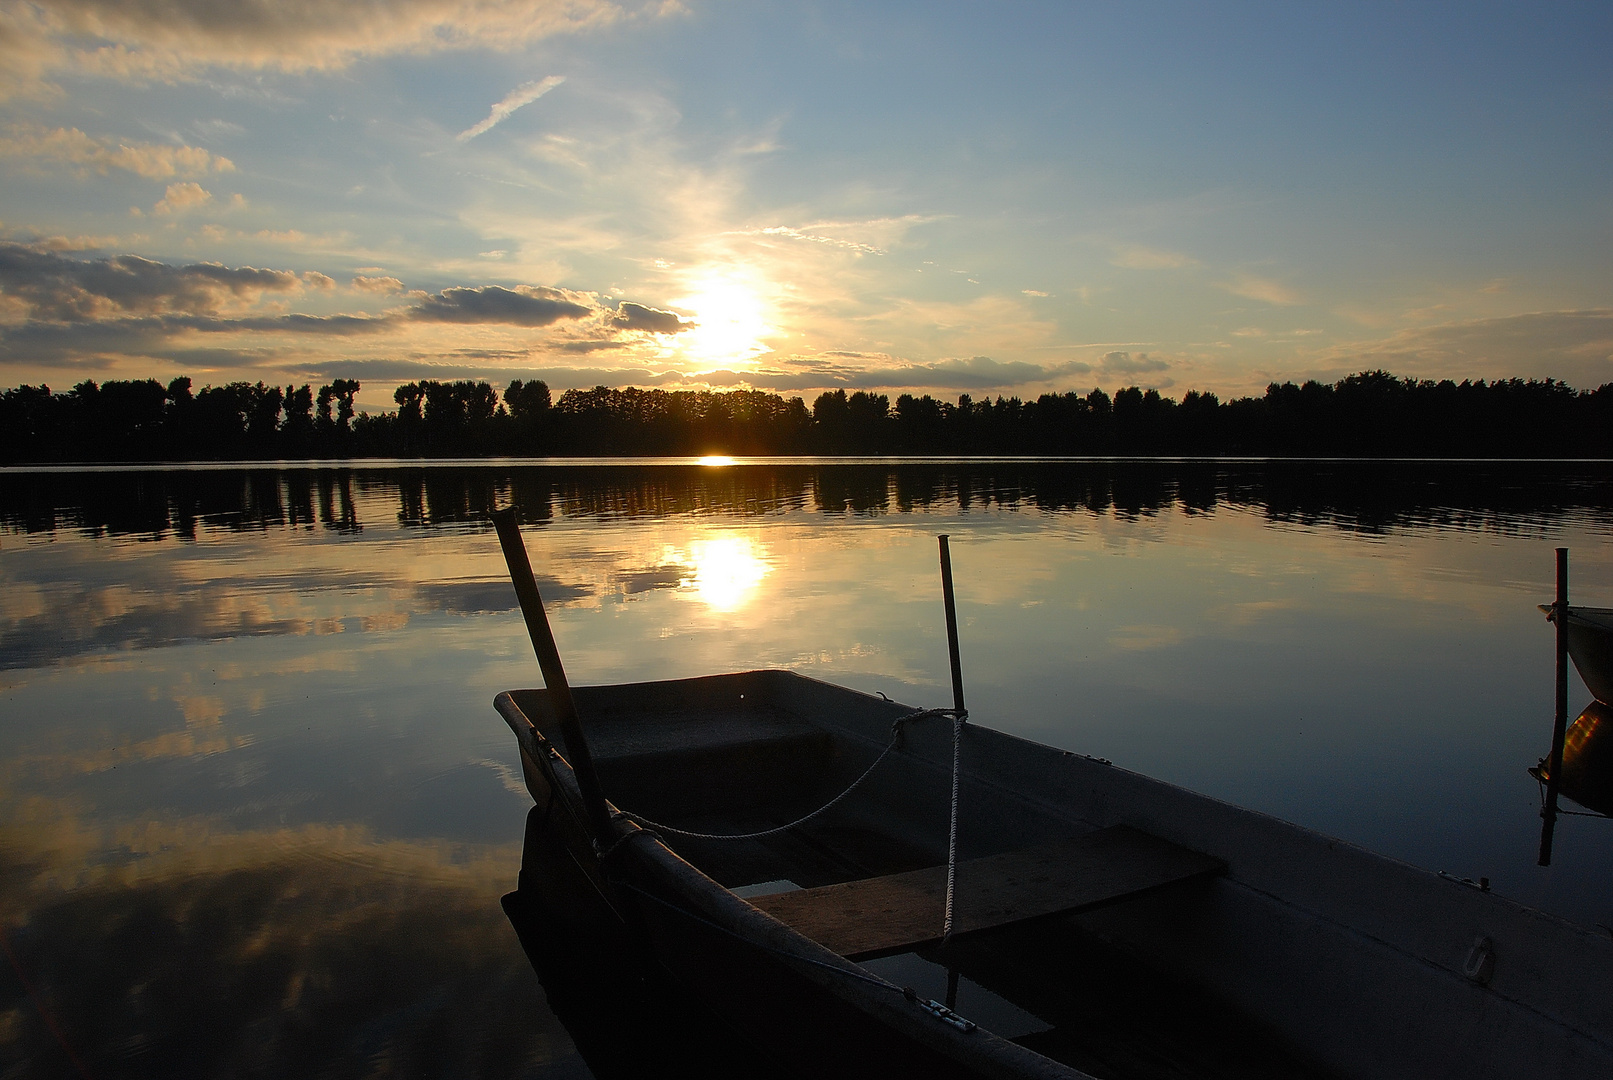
<point x="1590" y="644"/>
<point x="862" y="888"/>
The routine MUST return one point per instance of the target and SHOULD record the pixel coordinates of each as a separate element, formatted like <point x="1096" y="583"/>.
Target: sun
<point x="730" y="320"/>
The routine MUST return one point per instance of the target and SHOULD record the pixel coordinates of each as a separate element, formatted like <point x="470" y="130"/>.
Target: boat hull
<point x="1359" y="965"/>
<point x="1590" y="644"/>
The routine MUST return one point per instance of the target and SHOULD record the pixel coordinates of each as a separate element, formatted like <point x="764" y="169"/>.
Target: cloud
<point x="497" y="369"/>
<point x="162" y="336"/>
<point x="1262" y="289"/>
<point x="591" y="346"/>
<point x="814" y="238"/>
<point x="631" y="316"/>
<point x="1142" y="258"/>
<point x="525" y="94"/>
<point x="1576" y="346"/>
<point x="58" y="310"/>
<point x="70" y="146"/>
<point x="47" y="285"/>
<point x="964" y="373"/>
<point x="217" y="129"/>
<point x="181" y="197"/>
<point x="181" y="40"/>
<point x="282" y="236"/>
<point x="1125" y="363"/>
<point x="71" y="243"/>
<point x="525" y="305"/>
<point x="959" y="373"/>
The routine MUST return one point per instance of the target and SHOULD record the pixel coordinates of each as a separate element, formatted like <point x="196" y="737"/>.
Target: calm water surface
<point x="257" y="811"/>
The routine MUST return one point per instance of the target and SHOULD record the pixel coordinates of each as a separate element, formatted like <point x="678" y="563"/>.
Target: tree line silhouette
<point x="1370" y="414"/>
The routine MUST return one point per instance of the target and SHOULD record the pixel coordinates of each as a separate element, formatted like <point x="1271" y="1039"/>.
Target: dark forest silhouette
<point x="1371" y="414"/>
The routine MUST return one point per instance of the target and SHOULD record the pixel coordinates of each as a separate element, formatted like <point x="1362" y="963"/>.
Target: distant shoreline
<point x="785" y="460"/>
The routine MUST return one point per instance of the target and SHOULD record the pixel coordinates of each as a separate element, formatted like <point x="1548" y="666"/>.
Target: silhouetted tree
<point x="528" y="401"/>
<point x="1372" y="414"/>
<point x="298" y="427"/>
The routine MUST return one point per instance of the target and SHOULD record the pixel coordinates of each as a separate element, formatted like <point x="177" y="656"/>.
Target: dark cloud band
<point x="524" y="305"/>
<point x="56" y="288"/>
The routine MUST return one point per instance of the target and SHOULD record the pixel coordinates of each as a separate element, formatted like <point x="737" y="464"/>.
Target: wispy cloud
<point x="1576" y="346"/>
<point x="972" y="373"/>
<point x="814" y="238"/>
<point x="1262" y="289"/>
<point x="525" y="94"/>
<point x="1144" y="258"/>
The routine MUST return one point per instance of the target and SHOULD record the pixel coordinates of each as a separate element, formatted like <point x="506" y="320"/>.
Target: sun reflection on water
<point x="727" y="570"/>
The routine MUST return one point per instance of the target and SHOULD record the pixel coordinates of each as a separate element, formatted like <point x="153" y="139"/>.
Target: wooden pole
<point x="554" y="673"/>
<point x="957" y="742"/>
<point x="1559" y="727"/>
<point x="952" y="624"/>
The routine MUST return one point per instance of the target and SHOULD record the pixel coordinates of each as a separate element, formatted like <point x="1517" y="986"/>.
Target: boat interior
<point x="746" y="753"/>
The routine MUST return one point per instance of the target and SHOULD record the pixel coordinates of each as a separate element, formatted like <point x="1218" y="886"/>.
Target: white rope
<point x="896" y="737"/>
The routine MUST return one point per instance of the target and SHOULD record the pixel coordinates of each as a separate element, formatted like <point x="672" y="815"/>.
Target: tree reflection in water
<point x="1359" y="496"/>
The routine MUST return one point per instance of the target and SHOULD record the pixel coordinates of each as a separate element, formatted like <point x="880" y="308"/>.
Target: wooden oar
<point x="554" y="673"/>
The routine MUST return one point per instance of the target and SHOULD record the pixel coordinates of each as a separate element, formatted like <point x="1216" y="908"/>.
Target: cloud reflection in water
<point x="176" y="950"/>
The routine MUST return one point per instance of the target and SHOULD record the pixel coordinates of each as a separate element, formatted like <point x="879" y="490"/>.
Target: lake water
<point x="257" y="810"/>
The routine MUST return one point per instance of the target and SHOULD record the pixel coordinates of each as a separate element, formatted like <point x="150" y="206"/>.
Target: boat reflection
<point x="1587" y="775"/>
<point x="625" y="1016"/>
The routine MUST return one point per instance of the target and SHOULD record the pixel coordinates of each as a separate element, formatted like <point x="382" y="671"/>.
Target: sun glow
<point x="730" y="321"/>
<point x="727" y="571"/>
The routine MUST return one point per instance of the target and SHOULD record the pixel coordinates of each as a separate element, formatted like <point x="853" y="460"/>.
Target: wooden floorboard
<point x="900" y="912"/>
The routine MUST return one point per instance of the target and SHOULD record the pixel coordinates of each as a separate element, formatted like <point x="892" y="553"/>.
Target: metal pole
<point x="554" y="673"/>
<point x="1559" y="727"/>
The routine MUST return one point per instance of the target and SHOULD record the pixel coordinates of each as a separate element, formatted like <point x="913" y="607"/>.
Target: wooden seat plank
<point x="901" y="912"/>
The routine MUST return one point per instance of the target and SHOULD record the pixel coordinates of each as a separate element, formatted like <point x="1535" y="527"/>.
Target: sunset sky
<point x="943" y="198"/>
